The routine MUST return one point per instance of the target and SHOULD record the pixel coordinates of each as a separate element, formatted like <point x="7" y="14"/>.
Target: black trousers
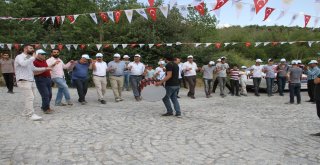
<point x="234" y="87"/>
<point x="82" y="88"/>
<point x="192" y="80"/>
<point x="8" y="78"/>
<point x="215" y="84"/>
<point x="311" y="87"/>
<point x="318" y="108"/>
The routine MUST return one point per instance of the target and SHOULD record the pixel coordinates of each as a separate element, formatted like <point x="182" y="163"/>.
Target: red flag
<point x="60" y="46"/>
<point x="218" y="45"/>
<point x="133" y="45"/>
<point x="104" y="17"/>
<point x="71" y="18"/>
<point x="117" y="15"/>
<point x="306" y="20"/>
<point x="151" y="2"/>
<point x="220" y="3"/>
<point x="158" y="45"/>
<point x="268" y="13"/>
<point x="200" y="8"/>
<point x="153" y="13"/>
<point x="106" y="46"/>
<point x="248" y="44"/>
<point x="82" y="46"/>
<point x="16" y="46"/>
<point x="37" y="46"/>
<point x="58" y="18"/>
<point x="259" y="4"/>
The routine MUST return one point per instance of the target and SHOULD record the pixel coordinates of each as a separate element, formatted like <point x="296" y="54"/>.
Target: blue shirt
<point x="80" y="71"/>
<point x="313" y="73"/>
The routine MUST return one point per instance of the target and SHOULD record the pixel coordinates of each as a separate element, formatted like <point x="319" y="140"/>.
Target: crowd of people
<point x="35" y="69"/>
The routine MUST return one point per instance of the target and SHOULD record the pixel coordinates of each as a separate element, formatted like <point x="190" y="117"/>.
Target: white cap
<point x="258" y="60"/>
<point x="313" y="62"/>
<point x="161" y="62"/>
<point x="243" y="67"/>
<point x="294" y="62"/>
<point x="223" y="57"/>
<point x="86" y="56"/>
<point x="126" y="56"/>
<point x="40" y="51"/>
<point x="211" y="63"/>
<point x="99" y="55"/>
<point x="299" y="61"/>
<point x="219" y="60"/>
<point x="190" y="56"/>
<point x="283" y="60"/>
<point x="117" y="55"/>
<point x="137" y="55"/>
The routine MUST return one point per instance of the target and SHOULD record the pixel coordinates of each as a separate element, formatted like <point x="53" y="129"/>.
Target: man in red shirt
<point x="43" y="81"/>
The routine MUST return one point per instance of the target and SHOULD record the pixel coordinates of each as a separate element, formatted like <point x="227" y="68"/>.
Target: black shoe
<point x="178" y="97"/>
<point x="167" y="114"/>
<point x="315" y="134"/>
<point x="232" y="94"/>
<point x="178" y="115"/>
<point x="238" y="95"/>
<point x="192" y="97"/>
<point x="257" y="95"/>
<point x="309" y="101"/>
<point x="103" y="101"/>
<point x="11" y="92"/>
<point x="281" y="94"/>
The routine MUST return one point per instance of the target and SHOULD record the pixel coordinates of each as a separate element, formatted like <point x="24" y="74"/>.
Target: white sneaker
<point x="35" y="117"/>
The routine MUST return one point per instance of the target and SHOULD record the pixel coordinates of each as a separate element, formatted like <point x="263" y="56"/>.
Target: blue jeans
<point x="82" y="88"/>
<point x="295" y="91"/>
<point x="62" y="89"/>
<point x="256" y="84"/>
<point x="222" y="84"/>
<point x="44" y="88"/>
<point x="126" y="82"/>
<point x="270" y="82"/>
<point x="171" y="93"/>
<point x="135" y="82"/>
<point x="281" y="84"/>
<point x="207" y="86"/>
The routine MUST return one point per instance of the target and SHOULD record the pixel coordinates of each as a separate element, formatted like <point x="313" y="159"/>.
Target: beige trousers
<point x="28" y="92"/>
<point x="116" y="85"/>
<point x="101" y="85"/>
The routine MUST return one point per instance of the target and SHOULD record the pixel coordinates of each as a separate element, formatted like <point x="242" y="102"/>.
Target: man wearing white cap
<point x="160" y="73"/>
<point x="137" y="70"/>
<point x="116" y="69"/>
<point x="282" y="71"/>
<point x="190" y="71"/>
<point x="312" y="71"/>
<point x="207" y="71"/>
<point x="221" y="69"/>
<point x="24" y="69"/>
<point x="294" y="79"/>
<point x="126" y="75"/>
<point x="80" y="70"/>
<point x="99" y="68"/>
<point x="269" y="70"/>
<point x="256" y="71"/>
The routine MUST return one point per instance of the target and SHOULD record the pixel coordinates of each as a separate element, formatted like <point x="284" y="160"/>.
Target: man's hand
<point x="158" y="83"/>
<point x="317" y="80"/>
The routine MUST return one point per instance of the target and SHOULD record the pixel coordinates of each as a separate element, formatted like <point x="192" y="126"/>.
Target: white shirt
<point x="57" y="70"/>
<point x="137" y="68"/>
<point x="243" y="76"/>
<point x="257" y="71"/>
<point x="180" y="70"/>
<point x="161" y="72"/>
<point x="101" y="69"/>
<point x="24" y="67"/>
<point x="192" y="66"/>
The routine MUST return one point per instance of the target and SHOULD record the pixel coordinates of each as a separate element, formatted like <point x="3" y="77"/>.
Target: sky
<point x="229" y="15"/>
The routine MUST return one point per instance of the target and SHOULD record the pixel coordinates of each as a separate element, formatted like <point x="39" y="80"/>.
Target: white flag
<point x="294" y="17"/>
<point x="257" y="44"/>
<point x="124" y="46"/>
<point x="142" y="13"/>
<point x="53" y="46"/>
<point x="75" y="18"/>
<point x="98" y="46"/>
<point x="2" y="45"/>
<point x="62" y="19"/>
<point x="94" y="17"/>
<point x="9" y="46"/>
<point x="226" y="44"/>
<point x="53" y="19"/>
<point x="150" y="45"/>
<point x="266" y="43"/>
<point x="283" y="42"/>
<point x="115" y="45"/>
<point x="111" y="16"/>
<point x="178" y="43"/>
<point x="172" y="3"/>
<point x="35" y="20"/>
<point x="197" y="44"/>
<point x="141" y="45"/>
<point x="75" y="46"/>
<point x="208" y="44"/>
<point x="292" y="42"/>
<point x="129" y="14"/>
<point x="183" y="10"/>
<point x="169" y="44"/>
<point x="68" y="46"/>
<point x="234" y="43"/>
<point x="281" y="15"/>
<point x="46" y="19"/>
<point x="164" y="9"/>
<point x="196" y="2"/>
<point x="310" y="43"/>
<point x="44" y="46"/>
<point x="316" y="21"/>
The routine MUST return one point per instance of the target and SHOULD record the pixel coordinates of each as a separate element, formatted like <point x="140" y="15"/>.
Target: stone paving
<point x="231" y="130"/>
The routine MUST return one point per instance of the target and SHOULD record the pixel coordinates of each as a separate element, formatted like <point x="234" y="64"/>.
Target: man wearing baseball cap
<point x="282" y="70"/>
<point x="116" y="69"/>
<point x="312" y="71"/>
<point x="99" y="73"/>
<point x="126" y="75"/>
<point x="207" y="71"/>
<point x="190" y="71"/>
<point x="137" y="70"/>
<point x="294" y="79"/>
<point x="221" y="69"/>
<point x="256" y="71"/>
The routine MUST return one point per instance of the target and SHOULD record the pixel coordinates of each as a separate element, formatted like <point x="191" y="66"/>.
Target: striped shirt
<point x="234" y="74"/>
<point x="313" y="73"/>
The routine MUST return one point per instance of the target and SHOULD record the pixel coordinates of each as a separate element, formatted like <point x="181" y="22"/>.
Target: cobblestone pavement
<point x="233" y="130"/>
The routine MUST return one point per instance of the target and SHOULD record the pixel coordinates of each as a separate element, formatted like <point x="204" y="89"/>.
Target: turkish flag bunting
<point x="82" y="46"/>
<point x="218" y="45"/>
<point x="268" y="13"/>
<point x="104" y="16"/>
<point x="151" y="2"/>
<point x="153" y="13"/>
<point x="259" y="4"/>
<point x="117" y="15"/>
<point x="37" y="46"/>
<point x="274" y="43"/>
<point x="58" y="19"/>
<point x="106" y="46"/>
<point x="306" y="20"/>
<point x="60" y="47"/>
<point x="71" y="19"/>
<point x="248" y="44"/>
<point x="133" y="45"/>
<point x="16" y="46"/>
<point x="220" y="3"/>
<point x="200" y="8"/>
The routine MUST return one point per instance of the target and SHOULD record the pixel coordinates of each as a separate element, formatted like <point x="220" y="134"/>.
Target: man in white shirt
<point x="58" y="77"/>
<point x="190" y="71"/>
<point x="256" y="71"/>
<point x="221" y="69"/>
<point x="99" y="73"/>
<point x="137" y="70"/>
<point x="116" y="69"/>
<point x="160" y="71"/>
<point x="24" y="69"/>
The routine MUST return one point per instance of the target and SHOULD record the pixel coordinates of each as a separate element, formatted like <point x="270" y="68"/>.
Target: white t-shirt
<point x="180" y="70"/>
<point x="161" y="72"/>
<point x="192" y="66"/>
<point x="137" y="68"/>
<point x="257" y="71"/>
<point x="101" y="69"/>
<point x="243" y="76"/>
